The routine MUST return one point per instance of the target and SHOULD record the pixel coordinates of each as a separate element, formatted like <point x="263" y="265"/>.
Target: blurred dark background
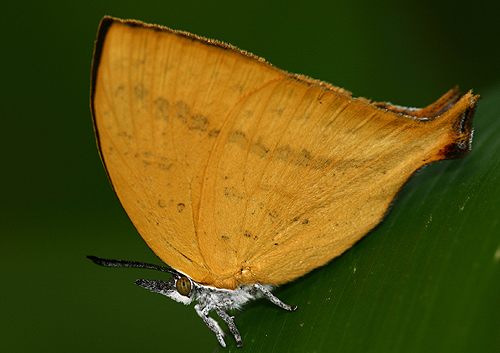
<point x="56" y="203"/>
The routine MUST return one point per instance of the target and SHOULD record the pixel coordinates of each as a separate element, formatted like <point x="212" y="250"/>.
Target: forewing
<point x="159" y="101"/>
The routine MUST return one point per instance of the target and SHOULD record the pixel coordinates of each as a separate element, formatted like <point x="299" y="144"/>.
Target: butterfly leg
<point x="272" y="298"/>
<point x="230" y="323"/>
<point x="211" y="323"/>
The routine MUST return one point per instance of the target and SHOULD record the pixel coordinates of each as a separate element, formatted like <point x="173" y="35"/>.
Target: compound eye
<point x="183" y="286"/>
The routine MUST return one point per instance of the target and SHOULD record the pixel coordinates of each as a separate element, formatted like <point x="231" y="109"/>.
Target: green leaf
<point x="427" y="279"/>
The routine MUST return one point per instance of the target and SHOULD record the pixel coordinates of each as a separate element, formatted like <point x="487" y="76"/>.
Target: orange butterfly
<point x="240" y="176"/>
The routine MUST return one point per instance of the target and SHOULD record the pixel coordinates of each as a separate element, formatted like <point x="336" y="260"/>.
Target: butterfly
<point x="240" y="176"/>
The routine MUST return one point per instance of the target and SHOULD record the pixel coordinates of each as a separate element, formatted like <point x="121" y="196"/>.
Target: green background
<point x="426" y="279"/>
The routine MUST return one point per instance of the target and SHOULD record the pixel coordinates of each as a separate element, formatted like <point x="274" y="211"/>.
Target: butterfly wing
<point x="235" y="172"/>
<point x="159" y="100"/>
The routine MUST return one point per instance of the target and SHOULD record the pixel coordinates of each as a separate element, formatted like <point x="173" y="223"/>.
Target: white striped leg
<point x="211" y="324"/>
<point x="230" y="323"/>
<point x="273" y="299"/>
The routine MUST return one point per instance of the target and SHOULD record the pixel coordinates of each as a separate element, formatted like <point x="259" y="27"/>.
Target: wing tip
<point x="462" y="114"/>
